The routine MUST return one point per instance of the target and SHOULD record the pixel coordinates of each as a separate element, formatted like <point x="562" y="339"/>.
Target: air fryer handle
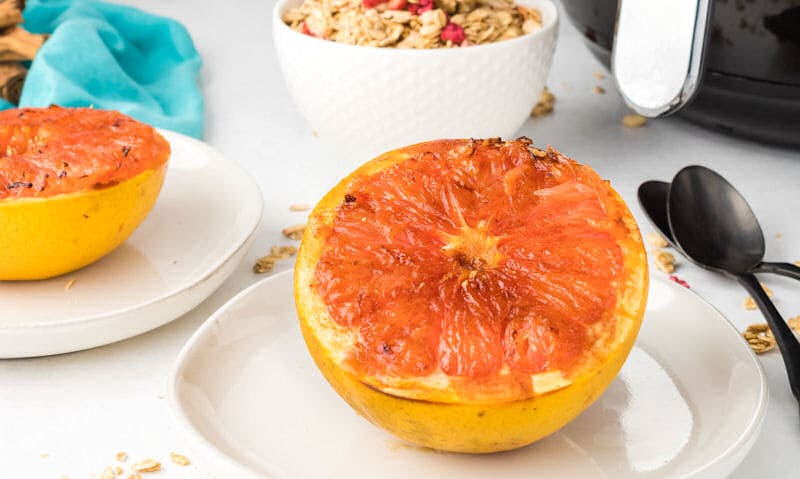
<point x="657" y="57"/>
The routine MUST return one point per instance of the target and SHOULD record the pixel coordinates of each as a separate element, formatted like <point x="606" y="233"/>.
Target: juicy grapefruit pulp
<point x="74" y="184"/>
<point x="50" y="151"/>
<point x="455" y="277"/>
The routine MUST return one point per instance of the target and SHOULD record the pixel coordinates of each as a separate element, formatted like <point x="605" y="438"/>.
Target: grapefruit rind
<point x="51" y="236"/>
<point x="449" y="413"/>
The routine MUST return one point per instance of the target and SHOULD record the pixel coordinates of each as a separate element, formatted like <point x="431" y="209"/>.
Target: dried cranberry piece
<point x="453" y="32"/>
<point x="421" y="7"/>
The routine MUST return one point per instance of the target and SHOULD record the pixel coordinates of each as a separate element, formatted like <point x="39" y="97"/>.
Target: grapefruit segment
<point x="471" y="272"/>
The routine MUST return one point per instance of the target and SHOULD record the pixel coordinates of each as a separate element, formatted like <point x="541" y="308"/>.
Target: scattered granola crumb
<point x="794" y="324"/>
<point x="294" y="232"/>
<point x="314" y="133"/>
<point x="599" y="90"/>
<point x="545" y="105"/>
<point x="599" y="75"/>
<point x="118" y="470"/>
<point x="277" y="253"/>
<point x="750" y="303"/>
<point x="282" y="252"/>
<point x="69" y="284"/>
<point x="108" y="473"/>
<point x="681" y="282"/>
<point x="264" y="264"/>
<point x="299" y="207"/>
<point x="665" y="261"/>
<point x="633" y="120"/>
<point x="779" y="236"/>
<point x="121" y="456"/>
<point x="759" y="337"/>
<point x="179" y="459"/>
<point x="44" y="455"/>
<point x="135" y="476"/>
<point x="148" y="465"/>
<point x="656" y="240"/>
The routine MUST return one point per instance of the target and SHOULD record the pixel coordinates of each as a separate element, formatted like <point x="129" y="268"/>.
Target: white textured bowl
<point x="366" y="100"/>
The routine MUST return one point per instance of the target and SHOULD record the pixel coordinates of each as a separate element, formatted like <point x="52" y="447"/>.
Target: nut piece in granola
<point x="665" y="261"/>
<point x="750" y="303"/>
<point x="179" y="459"/>
<point x="294" y="232"/>
<point x="148" y="465"/>
<point x="545" y="105"/>
<point x="759" y="337"/>
<point x="656" y="240"/>
<point x="633" y="120"/>
<point x="277" y="253"/>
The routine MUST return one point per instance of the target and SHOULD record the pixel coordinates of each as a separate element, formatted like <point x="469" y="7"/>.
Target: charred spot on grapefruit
<point x="471" y="273"/>
<point x="74" y="184"/>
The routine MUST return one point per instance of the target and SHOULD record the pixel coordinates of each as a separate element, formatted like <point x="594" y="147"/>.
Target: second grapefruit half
<point x="471" y="295"/>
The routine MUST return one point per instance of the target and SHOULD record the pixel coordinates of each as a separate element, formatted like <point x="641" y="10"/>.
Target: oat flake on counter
<point x="414" y="23"/>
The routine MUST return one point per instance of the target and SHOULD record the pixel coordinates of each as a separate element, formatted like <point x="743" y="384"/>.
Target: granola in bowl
<point x="420" y="24"/>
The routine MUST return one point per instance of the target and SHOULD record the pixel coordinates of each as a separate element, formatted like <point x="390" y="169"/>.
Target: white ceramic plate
<point x="689" y="402"/>
<point x="198" y="231"/>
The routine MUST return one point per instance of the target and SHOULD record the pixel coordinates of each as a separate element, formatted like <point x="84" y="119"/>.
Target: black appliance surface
<point x="751" y="82"/>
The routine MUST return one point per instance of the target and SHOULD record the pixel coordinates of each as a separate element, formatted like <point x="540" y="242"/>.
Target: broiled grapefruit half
<point x="74" y="184"/>
<point x="471" y="295"/>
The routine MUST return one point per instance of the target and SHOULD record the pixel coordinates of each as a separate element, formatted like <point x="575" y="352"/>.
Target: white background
<point x="80" y="409"/>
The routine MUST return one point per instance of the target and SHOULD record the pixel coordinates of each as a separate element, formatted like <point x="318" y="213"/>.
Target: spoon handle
<point x="790" y="348"/>
<point x="784" y="269"/>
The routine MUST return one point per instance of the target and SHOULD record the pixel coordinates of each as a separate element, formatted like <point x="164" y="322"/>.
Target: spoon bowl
<point x="712" y="223"/>
<point x="652" y="197"/>
<point x="715" y="228"/>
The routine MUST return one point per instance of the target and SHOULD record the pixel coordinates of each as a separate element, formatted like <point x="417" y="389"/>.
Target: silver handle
<point x="657" y="59"/>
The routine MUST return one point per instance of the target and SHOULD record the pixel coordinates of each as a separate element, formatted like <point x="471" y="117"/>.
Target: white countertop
<point x="68" y="415"/>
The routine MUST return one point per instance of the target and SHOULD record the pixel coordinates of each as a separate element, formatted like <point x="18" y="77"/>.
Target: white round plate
<point x="204" y="220"/>
<point x="689" y="402"/>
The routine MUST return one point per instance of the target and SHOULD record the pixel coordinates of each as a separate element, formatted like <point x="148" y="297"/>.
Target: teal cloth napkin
<point x="115" y="57"/>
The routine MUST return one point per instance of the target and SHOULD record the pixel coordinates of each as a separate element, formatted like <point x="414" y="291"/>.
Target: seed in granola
<point x="750" y="303"/>
<point x="665" y="261"/>
<point x="299" y="207"/>
<point x="148" y="465"/>
<point x="633" y="120"/>
<point x="294" y="232"/>
<point x="599" y="90"/>
<point x="656" y="240"/>
<point x="121" y="456"/>
<point x="545" y="105"/>
<point x="179" y="459"/>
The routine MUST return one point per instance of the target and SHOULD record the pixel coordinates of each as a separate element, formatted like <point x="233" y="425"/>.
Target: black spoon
<point x="653" y="200"/>
<point x="716" y="229"/>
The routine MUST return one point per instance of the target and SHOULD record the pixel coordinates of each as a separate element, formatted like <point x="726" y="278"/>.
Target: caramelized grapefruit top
<point x="50" y="151"/>
<point x="465" y="270"/>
